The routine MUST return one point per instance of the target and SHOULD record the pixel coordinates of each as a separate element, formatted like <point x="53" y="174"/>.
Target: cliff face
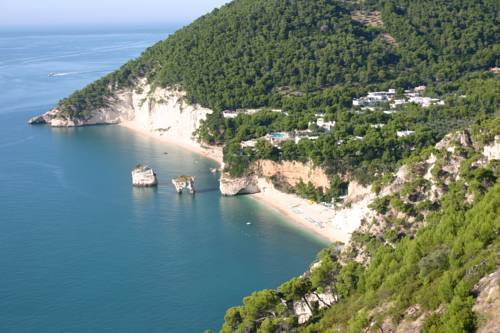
<point x="230" y="186"/>
<point x="286" y="172"/>
<point x="292" y="172"/>
<point x="160" y="111"/>
<point x="165" y="112"/>
<point x="119" y="108"/>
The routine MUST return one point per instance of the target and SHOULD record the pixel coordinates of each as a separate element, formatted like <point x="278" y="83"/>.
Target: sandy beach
<point x="213" y="153"/>
<point x="327" y="223"/>
<point x="331" y="224"/>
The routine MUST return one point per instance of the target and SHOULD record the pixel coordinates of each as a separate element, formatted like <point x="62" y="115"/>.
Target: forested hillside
<point x="307" y="57"/>
<point x="298" y="61"/>
<point x="401" y="273"/>
<point x="253" y="53"/>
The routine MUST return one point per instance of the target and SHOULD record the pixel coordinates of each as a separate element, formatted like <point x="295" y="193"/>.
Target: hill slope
<point x="252" y="53"/>
<point x="413" y="266"/>
<point x="314" y="56"/>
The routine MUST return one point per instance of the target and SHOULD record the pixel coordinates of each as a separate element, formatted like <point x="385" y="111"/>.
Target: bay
<point x="83" y="251"/>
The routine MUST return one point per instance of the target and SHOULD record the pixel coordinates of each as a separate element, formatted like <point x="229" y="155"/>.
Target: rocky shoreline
<point x="163" y="114"/>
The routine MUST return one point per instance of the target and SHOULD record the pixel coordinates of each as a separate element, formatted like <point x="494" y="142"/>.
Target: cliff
<point x="231" y="186"/>
<point x="162" y="112"/>
<point x="286" y="173"/>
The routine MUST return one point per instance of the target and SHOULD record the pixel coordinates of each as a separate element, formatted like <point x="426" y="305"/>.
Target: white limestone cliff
<point x="161" y="111"/>
<point x="230" y="186"/>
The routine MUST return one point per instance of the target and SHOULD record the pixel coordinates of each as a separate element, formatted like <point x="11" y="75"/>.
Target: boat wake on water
<point x="56" y="74"/>
<point x="62" y="74"/>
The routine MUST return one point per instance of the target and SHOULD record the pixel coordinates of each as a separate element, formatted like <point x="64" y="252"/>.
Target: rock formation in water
<point x="144" y="176"/>
<point x="184" y="182"/>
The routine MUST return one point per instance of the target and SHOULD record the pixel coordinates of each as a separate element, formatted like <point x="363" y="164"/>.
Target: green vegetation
<point x="436" y="268"/>
<point x="307" y="57"/>
<point x="342" y="151"/>
<point x="302" y="54"/>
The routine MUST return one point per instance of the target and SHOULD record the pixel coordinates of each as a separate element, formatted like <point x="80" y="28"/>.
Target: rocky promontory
<point x="163" y="112"/>
<point x="230" y="186"/>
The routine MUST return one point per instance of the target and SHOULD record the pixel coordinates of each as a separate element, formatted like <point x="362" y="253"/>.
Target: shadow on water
<point x="207" y="190"/>
<point x="168" y="185"/>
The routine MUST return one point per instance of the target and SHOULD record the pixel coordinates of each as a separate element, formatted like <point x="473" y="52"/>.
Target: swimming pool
<point x="278" y="135"/>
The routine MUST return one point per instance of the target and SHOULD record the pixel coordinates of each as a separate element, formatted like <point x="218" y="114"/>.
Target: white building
<point x="230" y="114"/>
<point x="297" y="139"/>
<point x="326" y="125"/>
<point x="426" y="102"/>
<point x="402" y="134"/>
<point x="375" y="97"/>
<point x="398" y="102"/>
<point x="248" y="144"/>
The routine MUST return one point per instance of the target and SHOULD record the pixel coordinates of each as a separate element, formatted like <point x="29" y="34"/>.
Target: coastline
<point x="292" y="217"/>
<point x="325" y="223"/>
<point x="215" y="153"/>
<point x="329" y="224"/>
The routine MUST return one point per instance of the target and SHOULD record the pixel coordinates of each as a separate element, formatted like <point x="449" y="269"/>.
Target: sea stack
<point x="144" y="176"/>
<point x="183" y="182"/>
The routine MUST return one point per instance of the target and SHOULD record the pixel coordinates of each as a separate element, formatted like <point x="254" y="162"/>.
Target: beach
<point x="327" y="223"/>
<point x="213" y="153"/>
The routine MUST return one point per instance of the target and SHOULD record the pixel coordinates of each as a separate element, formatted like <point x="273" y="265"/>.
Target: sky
<point x="99" y="12"/>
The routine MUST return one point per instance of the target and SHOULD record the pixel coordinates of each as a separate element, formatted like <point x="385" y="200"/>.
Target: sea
<point x="81" y="250"/>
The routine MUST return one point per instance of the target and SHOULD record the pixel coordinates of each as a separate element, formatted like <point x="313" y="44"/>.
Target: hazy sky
<point x="55" y="12"/>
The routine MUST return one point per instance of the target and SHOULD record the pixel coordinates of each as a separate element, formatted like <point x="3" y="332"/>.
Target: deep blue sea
<point x="83" y="251"/>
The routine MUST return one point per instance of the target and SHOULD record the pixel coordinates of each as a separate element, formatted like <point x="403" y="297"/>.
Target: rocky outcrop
<point x="119" y="108"/>
<point x="302" y="309"/>
<point x="486" y="307"/>
<point x="413" y="191"/>
<point x="184" y="182"/>
<point x="161" y="111"/>
<point x="492" y="151"/>
<point x="286" y="172"/>
<point x="487" y="304"/>
<point x="452" y="140"/>
<point x="230" y="186"/>
<point x="292" y="172"/>
<point x="144" y="176"/>
<point x="357" y="192"/>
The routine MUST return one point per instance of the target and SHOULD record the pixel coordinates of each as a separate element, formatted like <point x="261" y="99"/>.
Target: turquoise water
<point x="278" y="135"/>
<point x="83" y="251"/>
